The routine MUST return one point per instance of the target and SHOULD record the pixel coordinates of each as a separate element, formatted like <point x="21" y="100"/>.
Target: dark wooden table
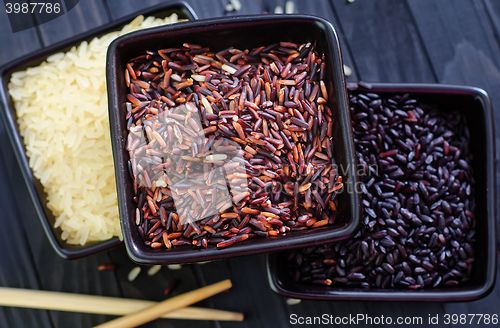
<point x="433" y="41"/>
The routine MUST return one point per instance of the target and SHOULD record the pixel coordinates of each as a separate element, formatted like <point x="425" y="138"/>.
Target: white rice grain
<point x="292" y="301"/>
<point x="134" y="273"/>
<point x="153" y="270"/>
<point x="174" y="266"/>
<point x="347" y="70"/>
<point x="229" y="69"/>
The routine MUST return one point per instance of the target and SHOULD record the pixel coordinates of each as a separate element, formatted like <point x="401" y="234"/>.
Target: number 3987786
<point x="34" y="7"/>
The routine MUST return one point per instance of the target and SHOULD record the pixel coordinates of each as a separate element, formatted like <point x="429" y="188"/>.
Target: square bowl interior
<point x="8" y="113"/>
<point x="475" y="105"/>
<point x="244" y="32"/>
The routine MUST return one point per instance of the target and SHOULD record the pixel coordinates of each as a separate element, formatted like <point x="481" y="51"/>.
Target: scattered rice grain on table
<point x="154" y="270"/>
<point x="236" y="4"/>
<point x="62" y="114"/>
<point x="292" y="301"/>
<point x="278" y="10"/>
<point x="134" y="273"/>
<point x="174" y="266"/>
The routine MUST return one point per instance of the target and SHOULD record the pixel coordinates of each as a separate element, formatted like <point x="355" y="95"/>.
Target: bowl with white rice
<point x="55" y="112"/>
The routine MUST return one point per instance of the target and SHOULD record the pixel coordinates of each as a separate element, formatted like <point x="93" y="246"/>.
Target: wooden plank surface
<point x="17" y="267"/>
<point x="383" y="41"/>
<point x="493" y="10"/>
<point x="152" y="287"/>
<point x="15" y="45"/>
<point x="324" y="9"/>
<point x="247" y="7"/>
<point x="250" y="293"/>
<point x="463" y="47"/>
<point x="85" y="16"/>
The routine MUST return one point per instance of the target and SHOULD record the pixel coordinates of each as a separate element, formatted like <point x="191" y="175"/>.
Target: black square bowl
<point x="474" y="103"/>
<point x="242" y="32"/>
<point x="9" y="116"/>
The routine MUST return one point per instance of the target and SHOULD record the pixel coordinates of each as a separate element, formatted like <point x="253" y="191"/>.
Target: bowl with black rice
<point x="428" y="185"/>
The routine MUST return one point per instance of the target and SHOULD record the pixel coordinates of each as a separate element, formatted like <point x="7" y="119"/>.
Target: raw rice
<point x="62" y="112"/>
<point x="292" y="301"/>
<point x="174" y="266"/>
<point x="236" y="4"/>
<point x="134" y="273"/>
<point x="347" y="70"/>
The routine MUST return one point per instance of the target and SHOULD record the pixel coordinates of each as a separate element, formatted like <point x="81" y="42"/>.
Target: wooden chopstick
<point x="169" y="305"/>
<point x="57" y="301"/>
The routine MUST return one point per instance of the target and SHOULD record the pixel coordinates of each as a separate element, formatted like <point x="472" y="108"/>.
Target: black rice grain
<point x="418" y="198"/>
